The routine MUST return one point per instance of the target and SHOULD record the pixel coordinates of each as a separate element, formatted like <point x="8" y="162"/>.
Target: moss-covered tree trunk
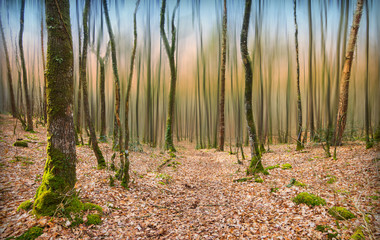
<point x="9" y="73"/>
<point x="24" y="73"/>
<point x="94" y="141"/>
<point x="299" y="106"/>
<point x="223" y="80"/>
<point x="345" y="79"/>
<point x="102" y="102"/>
<point x="59" y="174"/>
<point x="117" y="124"/>
<point x="255" y="165"/>
<point x="170" y="50"/>
<point x="125" y="179"/>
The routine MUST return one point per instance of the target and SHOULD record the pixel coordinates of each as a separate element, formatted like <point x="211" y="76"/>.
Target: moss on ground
<point x="341" y="213"/>
<point x="331" y="179"/>
<point x="272" y="167"/>
<point x="286" y="166"/>
<point x="92" y="206"/>
<point x="26" y="205"/>
<point x="93" y="219"/>
<point x="259" y="180"/>
<point x="21" y="143"/>
<point x="331" y="233"/>
<point x="309" y="199"/>
<point x="358" y="235"/>
<point x="31" y="233"/>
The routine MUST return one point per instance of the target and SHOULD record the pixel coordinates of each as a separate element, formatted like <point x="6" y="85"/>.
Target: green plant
<point x="31" y="233"/>
<point x="286" y="166"/>
<point x="93" y="219"/>
<point x="308" y="199"/>
<point x="341" y="213"/>
<point x="26" y="205"/>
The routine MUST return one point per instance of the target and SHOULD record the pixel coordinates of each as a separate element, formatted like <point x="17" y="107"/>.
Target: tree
<point x="9" y="73"/>
<point x="117" y="123"/>
<point x="369" y="143"/>
<point x="299" y="106"/>
<point x="59" y="174"/>
<point x="310" y="87"/>
<point x="170" y="50"/>
<point x="125" y="168"/>
<point x="223" y="80"/>
<point x="82" y="78"/>
<point x="24" y="73"/>
<point x="345" y="79"/>
<point x="255" y="165"/>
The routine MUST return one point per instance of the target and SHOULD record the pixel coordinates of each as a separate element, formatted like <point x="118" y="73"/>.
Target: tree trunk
<point x="116" y="78"/>
<point x="60" y="169"/>
<point x="223" y="80"/>
<point x="94" y="141"/>
<point x="255" y="165"/>
<point x="9" y="73"/>
<point x="173" y="73"/>
<point x="103" y="136"/>
<point x="24" y="73"/>
<point x="367" y="117"/>
<point x="125" y="179"/>
<point x="345" y="79"/>
<point x="299" y="106"/>
<point x="311" y="98"/>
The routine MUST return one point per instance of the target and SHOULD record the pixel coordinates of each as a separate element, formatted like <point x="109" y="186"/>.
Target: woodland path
<point x="197" y="199"/>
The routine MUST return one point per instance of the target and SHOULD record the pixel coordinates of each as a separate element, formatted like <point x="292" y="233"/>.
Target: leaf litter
<point x="196" y="198"/>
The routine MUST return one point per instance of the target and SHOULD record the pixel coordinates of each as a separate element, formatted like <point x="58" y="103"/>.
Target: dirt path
<point x="195" y="197"/>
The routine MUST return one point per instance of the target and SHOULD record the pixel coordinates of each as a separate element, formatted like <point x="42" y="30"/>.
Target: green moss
<point x="309" y="199"/>
<point x="244" y="179"/>
<point x="374" y="197"/>
<point x="331" y="233"/>
<point x="92" y="206"/>
<point x="341" y="213"/>
<point x="112" y="181"/>
<point x="331" y="179"/>
<point x="22" y="143"/>
<point x="259" y="180"/>
<point x="93" y="219"/>
<point x="286" y="166"/>
<point x="255" y="166"/>
<point x="300" y="184"/>
<point x="358" y="235"/>
<point x="25" y="205"/>
<point x="31" y="233"/>
<point x="272" y="190"/>
<point x="272" y="167"/>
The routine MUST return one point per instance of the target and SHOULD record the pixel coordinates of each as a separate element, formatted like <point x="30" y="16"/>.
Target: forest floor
<point x="195" y="197"/>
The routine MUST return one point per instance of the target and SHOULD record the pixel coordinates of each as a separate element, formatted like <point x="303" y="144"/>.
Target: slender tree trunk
<point x="367" y="123"/>
<point x="43" y="67"/>
<point x="299" y="106"/>
<point x="103" y="136"/>
<point x="255" y="165"/>
<point x="79" y="104"/>
<point x="9" y="74"/>
<point x="116" y="78"/>
<point x="311" y="98"/>
<point x="345" y="79"/>
<point x="125" y="179"/>
<point x="223" y="80"/>
<point x="170" y="50"/>
<point x="94" y="141"/>
<point x="60" y="169"/>
<point x="24" y="73"/>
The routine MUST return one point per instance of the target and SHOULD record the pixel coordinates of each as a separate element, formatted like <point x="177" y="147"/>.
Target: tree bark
<point x="60" y="169"/>
<point x="223" y="80"/>
<point x="345" y="79"/>
<point x="125" y="179"/>
<point x="170" y="50"/>
<point x="299" y="105"/>
<point x="255" y="165"/>
<point x="24" y="73"/>
<point x="94" y="141"/>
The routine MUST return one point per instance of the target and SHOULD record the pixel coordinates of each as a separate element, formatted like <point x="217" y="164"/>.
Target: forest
<point x="189" y="119"/>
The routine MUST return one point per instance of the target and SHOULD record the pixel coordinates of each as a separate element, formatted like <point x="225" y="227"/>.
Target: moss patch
<point x="300" y="184"/>
<point x="31" y="233"/>
<point x="331" y="233"/>
<point x="93" y="219"/>
<point x="341" y="213"/>
<point x="272" y="167"/>
<point x="286" y="166"/>
<point x="92" y="206"/>
<point x="309" y="199"/>
<point x="331" y="179"/>
<point x="259" y="180"/>
<point x="27" y="205"/>
<point x="358" y="235"/>
<point x="21" y="143"/>
<point x="244" y="179"/>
